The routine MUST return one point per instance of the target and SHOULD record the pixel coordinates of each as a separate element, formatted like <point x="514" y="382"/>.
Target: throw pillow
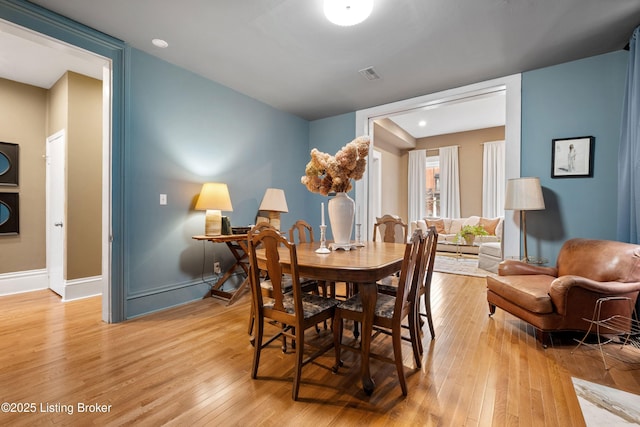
<point x="437" y="223"/>
<point x="490" y="225"/>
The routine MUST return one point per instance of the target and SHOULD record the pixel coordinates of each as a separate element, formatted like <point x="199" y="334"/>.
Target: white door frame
<point x="512" y="87"/>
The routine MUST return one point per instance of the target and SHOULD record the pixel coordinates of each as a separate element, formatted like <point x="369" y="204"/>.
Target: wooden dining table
<point x="364" y="266"/>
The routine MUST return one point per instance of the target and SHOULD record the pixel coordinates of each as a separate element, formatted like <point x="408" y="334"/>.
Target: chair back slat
<point x="408" y="283"/>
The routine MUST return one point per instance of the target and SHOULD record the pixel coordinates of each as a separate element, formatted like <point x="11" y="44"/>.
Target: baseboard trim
<point x="23" y="281"/>
<point x="37" y="280"/>
<point x="82" y="288"/>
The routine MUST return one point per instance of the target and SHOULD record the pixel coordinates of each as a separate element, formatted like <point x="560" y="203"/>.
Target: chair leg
<point x="299" y="341"/>
<point x="397" y="356"/>
<point x="416" y="340"/>
<point x="427" y="308"/>
<point x="257" y="348"/>
<point x="337" y="341"/>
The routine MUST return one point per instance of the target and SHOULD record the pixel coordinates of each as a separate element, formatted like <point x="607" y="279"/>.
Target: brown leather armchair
<point x="560" y="298"/>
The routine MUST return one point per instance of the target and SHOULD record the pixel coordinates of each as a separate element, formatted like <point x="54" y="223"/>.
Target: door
<point x="56" y="196"/>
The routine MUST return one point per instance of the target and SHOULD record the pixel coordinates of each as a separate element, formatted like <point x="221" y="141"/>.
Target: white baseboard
<point x="36" y="280"/>
<point x="82" y="288"/>
<point x="23" y="281"/>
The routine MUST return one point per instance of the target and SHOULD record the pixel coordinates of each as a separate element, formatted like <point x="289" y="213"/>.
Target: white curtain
<point x="417" y="184"/>
<point x="449" y="183"/>
<point x="493" y="179"/>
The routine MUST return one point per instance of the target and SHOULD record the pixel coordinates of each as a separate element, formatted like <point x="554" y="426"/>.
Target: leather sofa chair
<point x="560" y="298"/>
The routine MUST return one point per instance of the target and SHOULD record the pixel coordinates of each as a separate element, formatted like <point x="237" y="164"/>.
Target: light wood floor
<point x="190" y="366"/>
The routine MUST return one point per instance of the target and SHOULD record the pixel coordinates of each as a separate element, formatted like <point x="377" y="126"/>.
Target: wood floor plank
<point x="190" y="365"/>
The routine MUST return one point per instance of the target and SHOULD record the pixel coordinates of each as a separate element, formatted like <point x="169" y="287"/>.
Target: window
<point x="432" y="197"/>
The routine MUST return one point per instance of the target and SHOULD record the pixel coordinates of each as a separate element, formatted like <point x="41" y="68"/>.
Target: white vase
<point x="341" y="213"/>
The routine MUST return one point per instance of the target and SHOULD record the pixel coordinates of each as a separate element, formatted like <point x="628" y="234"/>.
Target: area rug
<point x="606" y="406"/>
<point x="457" y="265"/>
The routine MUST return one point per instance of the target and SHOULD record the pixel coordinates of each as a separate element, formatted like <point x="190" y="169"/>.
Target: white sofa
<point x="448" y="229"/>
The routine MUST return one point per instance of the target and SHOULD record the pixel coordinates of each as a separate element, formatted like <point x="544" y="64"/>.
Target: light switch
<point x="163" y="199"/>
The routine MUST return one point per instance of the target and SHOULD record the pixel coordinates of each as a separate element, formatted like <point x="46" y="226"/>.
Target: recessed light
<point x="422" y="123"/>
<point x="160" y="43"/>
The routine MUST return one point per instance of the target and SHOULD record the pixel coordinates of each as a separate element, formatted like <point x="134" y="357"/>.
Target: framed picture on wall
<point x="9" y="213"/>
<point x="572" y="157"/>
<point x="8" y="164"/>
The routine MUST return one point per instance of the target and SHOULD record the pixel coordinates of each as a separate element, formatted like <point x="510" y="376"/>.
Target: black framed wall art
<point x="572" y="157"/>
<point x="8" y="164"/>
<point x="9" y="213"/>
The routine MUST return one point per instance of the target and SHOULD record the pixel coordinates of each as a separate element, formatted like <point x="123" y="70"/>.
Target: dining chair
<point x="390" y="312"/>
<point x="267" y="286"/>
<point x="294" y="311"/>
<point x="391" y="229"/>
<point x="389" y="286"/>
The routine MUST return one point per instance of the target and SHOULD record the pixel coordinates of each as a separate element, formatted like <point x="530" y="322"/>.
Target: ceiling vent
<point x="370" y="74"/>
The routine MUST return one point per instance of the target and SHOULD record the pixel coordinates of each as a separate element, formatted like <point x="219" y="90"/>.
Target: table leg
<point x="369" y="295"/>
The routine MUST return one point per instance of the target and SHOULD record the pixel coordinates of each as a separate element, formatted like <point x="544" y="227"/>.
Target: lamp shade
<point x="347" y="12"/>
<point x="274" y="200"/>
<point x="524" y="194"/>
<point x="214" y="196"/>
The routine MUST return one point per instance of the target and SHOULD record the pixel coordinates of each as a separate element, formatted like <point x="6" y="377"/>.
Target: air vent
<point x="369" y="73"/>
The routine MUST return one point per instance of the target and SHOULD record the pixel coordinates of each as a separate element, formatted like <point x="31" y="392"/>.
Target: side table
<point x="237" y="244"/>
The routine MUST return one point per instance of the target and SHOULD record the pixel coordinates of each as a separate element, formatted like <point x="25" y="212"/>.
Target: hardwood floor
<point x="190" y="366"/>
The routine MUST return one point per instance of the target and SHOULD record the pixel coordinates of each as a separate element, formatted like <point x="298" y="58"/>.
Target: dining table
<point x="364" y="265"/>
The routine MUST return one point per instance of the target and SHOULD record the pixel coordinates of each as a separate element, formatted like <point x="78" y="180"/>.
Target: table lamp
<point x="214" y="198"/>
<point x="524" y="194"/>
<point x="273" y="203"/>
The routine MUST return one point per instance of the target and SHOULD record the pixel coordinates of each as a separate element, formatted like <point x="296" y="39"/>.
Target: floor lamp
<point x="524" y="194"/>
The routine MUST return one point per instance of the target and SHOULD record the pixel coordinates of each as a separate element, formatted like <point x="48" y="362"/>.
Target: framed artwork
<point x="8" y="164"/>
<point x="9" y="213"/>
<point x="572" y="157"/>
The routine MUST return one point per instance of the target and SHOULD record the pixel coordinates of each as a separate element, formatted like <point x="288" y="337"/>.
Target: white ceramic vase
<point x="341" y="213"/>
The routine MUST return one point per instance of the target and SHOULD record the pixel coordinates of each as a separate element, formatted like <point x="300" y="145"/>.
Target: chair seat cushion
<point x="311" y="304"/>
<point x="530" y="292"/>
<point x="384" y="305"/>
<point x="308" y="285"/>
<point x="491" y="248"/>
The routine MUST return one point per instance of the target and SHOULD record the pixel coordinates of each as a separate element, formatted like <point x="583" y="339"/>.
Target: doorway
<point x="31" y="52"/>
<point x="511" y="85"/>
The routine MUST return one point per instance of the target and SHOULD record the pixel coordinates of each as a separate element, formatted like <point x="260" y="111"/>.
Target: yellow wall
<point x="470" y="162"/>
<point x="22" y="121"/>
<point x="27" y="116"/>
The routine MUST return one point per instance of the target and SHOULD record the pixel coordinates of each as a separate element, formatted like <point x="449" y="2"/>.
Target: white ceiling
<point x="286" y="54"/>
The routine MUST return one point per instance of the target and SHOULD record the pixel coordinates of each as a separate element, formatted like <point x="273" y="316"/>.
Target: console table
<point x="237" y="244"/>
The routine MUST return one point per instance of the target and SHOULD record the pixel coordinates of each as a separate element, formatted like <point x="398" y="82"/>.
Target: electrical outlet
<point x="216" y="268"/>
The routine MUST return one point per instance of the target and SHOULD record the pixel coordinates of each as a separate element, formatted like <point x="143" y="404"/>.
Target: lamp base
<point x="213" y="223"/>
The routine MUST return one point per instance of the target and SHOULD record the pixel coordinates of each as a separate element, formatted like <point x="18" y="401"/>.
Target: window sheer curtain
<point x="493" y="179"/>
<point x="417" y="184"/>
<point x="449" y="183"/>
<point x="629" y="151"/>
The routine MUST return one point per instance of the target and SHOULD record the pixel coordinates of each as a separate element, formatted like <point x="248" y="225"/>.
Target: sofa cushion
<point x="437" y="223"/>
<point x="530" y="292"/>
<point x="493" y="249"/>
<point x="489" y="224"/>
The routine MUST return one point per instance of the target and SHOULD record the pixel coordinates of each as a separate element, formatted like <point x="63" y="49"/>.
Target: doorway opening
<point x="511" y="85"/>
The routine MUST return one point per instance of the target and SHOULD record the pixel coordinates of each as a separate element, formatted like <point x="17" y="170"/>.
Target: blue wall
<point x="184" y="130"/>
<point x="580" y="98"/>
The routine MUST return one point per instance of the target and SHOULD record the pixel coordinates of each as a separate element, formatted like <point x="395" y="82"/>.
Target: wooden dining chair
<point x="267" y="286"/>
<point x="294" y="311"/>
<point x="424" y="276"/>
<point x="391" y="229"/>
<point x="390" y="312"/>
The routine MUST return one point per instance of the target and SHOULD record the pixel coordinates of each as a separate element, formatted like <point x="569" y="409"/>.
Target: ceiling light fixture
<point x="347" y="12"/>
<point x="160" y="43"/>
<point x="422" y="123"/>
